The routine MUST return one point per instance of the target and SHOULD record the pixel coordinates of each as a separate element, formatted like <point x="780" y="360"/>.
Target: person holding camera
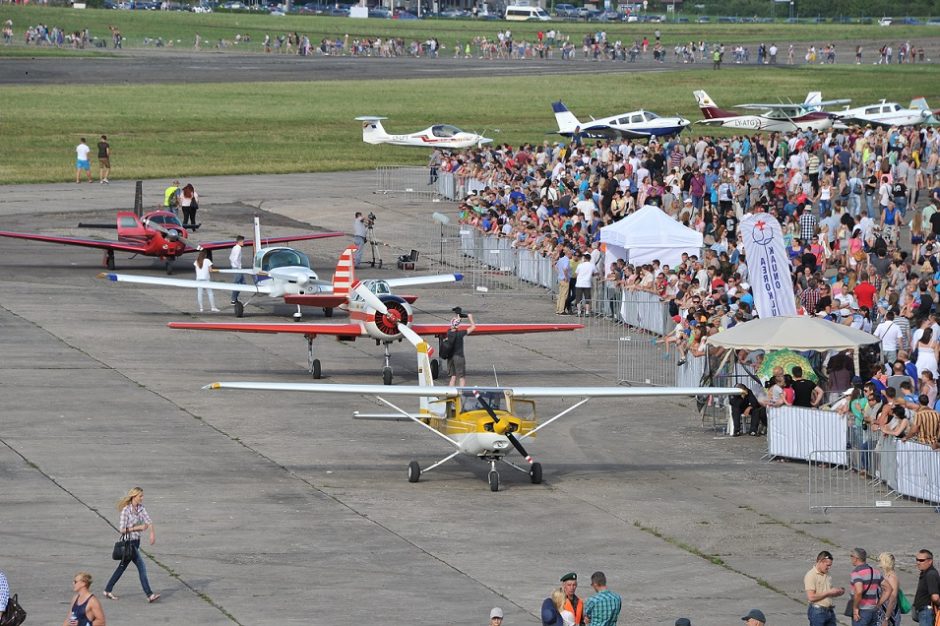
<point x="360" y="234"/>
<point x="452" y="347"/>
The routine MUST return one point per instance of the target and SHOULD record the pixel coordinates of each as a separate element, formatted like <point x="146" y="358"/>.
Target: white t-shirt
<point x="81" y="152"/>
<point x="202" y="273"/>
<point x="583" y="275"/>
<point x="890" y="334"/>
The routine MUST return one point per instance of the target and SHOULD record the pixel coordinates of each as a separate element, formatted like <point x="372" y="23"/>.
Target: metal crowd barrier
<point x="412" y="181"/>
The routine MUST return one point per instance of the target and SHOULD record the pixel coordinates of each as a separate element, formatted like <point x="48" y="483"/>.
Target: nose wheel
<point x="535" y="473"/>
<point x="387" y="376"/>
<point x="493" y="478"/>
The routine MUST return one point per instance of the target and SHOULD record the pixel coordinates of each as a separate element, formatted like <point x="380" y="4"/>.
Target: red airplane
<point x="157" y="234"/>
<point x="378" y="316"/>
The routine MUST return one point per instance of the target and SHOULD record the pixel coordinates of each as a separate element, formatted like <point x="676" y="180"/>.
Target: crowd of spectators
<point x="842" y="198"/>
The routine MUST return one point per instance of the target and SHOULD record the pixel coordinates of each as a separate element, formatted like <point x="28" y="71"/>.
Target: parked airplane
<point x="888" y="114"/>
<point x="437" y="136"/>
<point x="157" y="234"/>
<point x="633" y="125"/>
<point x="378" y="315"/>
<point x="773" y="117"/>
<point x="486" y="423"/>
<point x="281" y="272"/>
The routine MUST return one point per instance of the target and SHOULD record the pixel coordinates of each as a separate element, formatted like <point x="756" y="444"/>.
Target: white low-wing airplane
<point x="437" y="136"/>
<point x="282" y="272"/>
<point x="633" y="125"/>
<point x="486" y="423"/>
<point x="773" y="117"/>
<point x="888" y="114"/>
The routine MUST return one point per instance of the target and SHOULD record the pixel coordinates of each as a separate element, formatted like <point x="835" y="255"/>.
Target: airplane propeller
<point x="170" y="233"/>
<point x="512" y="438"/>
<point x="376" y="303"/>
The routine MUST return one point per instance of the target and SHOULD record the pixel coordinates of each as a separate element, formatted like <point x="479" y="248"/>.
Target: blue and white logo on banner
<point x="768" y="267"/>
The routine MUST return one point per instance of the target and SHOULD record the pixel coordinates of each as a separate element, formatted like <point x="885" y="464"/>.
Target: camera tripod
<point x="376" y="253"/>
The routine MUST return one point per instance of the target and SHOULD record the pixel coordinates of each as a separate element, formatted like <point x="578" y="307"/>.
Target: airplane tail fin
<point x="344" y="275"/>
<point x="565" y="118"/>
<point x="813" y="101"/>
<point x="708" y="107"/>
<point x="926" y="113"/>
<point x="372" y="130"/>
<point x="257" y="234"/>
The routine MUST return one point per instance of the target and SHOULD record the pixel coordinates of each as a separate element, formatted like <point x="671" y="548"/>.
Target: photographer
<point x="452" y="347"/>
<point x="360" y="234"/>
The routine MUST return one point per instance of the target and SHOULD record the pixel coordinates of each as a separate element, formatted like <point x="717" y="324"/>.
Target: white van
<point x="521" y="14"/>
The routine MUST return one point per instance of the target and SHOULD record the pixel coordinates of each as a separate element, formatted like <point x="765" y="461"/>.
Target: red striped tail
<point x="343" y="276"/>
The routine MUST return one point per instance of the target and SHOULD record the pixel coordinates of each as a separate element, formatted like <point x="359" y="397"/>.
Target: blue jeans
<point x="361" y="244"/>
<point x="239" y="280"/>
<point x="141" y="571"/>
<point x="866" y="618"/>
<point x="870" y="205"/>
<point x="926" y="616"/>
<point x="820" y="617"/>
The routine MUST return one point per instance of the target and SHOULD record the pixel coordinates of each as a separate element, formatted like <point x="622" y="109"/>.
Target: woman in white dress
<point x="928" y="352"/>
<point x="203" y="267"/>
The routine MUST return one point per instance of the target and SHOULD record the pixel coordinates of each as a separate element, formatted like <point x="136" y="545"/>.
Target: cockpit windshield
<point x="444" y="130"/>
<point x="468" y="401"/>
<point x="166" y="220"/>
<point x="378" y="287"/>
<point x="282" y="257"/>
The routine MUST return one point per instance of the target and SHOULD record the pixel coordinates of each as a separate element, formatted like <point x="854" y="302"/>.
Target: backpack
<point x="447" y="347"/>
<point x="14" y="615"/>
<point x="856" y="186"/>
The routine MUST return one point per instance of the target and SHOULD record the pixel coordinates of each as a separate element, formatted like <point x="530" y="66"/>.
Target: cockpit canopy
<point x="167" y="219"/>
<point x="469" y="402"/>
<point x="272" y="258"/>
<point x="445" y="130"/>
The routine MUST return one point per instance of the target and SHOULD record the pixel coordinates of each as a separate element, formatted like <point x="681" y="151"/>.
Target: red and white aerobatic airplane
<point x="157" y="234"/>
<point x="437" y="136"/>
<point x="374" y="313"/>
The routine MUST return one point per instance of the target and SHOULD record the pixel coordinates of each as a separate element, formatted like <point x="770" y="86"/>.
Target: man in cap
<point x="820" y="592"/>
<point x="569" y="584"/>
<point x="496" y="616"/>
<point x="683" y="621"/>
<point x="866" y="582"/>
<point x="754" y="617"/>
<point x="456" y="364"/>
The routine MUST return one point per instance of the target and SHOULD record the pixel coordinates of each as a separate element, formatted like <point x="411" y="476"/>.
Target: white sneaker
<point x="215" y="310"/>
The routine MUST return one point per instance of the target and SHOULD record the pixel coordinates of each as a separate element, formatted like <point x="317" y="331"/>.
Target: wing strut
<point x="417" y="420"/>
<point x="562" y="414"/>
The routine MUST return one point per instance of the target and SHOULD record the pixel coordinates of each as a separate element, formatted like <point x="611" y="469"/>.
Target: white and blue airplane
<point x="632" y="125"/>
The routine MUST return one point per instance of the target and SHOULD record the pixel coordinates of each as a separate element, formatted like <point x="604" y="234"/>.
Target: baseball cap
<point x="496" y="612"/>
<point x="755" y="614"/>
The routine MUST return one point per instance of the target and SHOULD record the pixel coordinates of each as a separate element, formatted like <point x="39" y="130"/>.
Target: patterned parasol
<point x="786" y="359"/>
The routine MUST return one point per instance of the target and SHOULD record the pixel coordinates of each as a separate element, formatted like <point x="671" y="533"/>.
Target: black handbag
<point x="14" y="615"/>
<point x="124" y="550"/>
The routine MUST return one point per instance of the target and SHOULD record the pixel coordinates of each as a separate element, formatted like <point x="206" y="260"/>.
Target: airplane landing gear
<point x="435" y="369"/>
<point x="298" y="315"/>
<point x="414" y="472"/>
<point x="109" y="259"/>
<point x="535" y="473"/>
<point x="493" y="479"/>
<point x="239" y="309"/>
<point x="387" y="376"/>
<point x="169" y="268"/>
<point x="328" y="311"/>
<point x="313" y="364"/>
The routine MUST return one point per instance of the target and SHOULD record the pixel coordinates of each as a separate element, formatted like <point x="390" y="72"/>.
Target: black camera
<point x="370" y="219"/>
<point x="459" y="311"/>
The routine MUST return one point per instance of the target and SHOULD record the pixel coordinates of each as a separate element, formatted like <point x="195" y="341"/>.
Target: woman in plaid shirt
<point x="134" y="520"/>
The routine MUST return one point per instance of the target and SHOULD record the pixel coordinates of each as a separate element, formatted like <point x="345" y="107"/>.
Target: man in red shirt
<point x="865" y="293"/>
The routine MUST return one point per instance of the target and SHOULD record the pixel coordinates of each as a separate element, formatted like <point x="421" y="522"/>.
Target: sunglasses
<point x="921" y="560"/>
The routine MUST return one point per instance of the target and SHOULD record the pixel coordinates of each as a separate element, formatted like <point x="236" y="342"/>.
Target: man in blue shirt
<point x="563" y="268"/>
<point x="603" y="608"/>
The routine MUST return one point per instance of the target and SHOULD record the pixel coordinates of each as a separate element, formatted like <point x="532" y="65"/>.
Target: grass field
<point x="162" y="131"/>
<point x="136" y="25"/>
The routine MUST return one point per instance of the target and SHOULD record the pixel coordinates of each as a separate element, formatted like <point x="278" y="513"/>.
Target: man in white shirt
<point x="235" y="262"/>
<point x="360" y="234"/>
<point x="587" y="207"/>
<point x="81" y="161"/>
<point x="584" y="278"/>
<point x="890" y="335"/>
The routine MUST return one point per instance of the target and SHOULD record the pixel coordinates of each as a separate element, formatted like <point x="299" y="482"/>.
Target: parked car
<point x="404" y="15"/>
<point x="454" y="14"/>
<point x="934" y="21"/>
<point x="911" y="21"/>
<point x="885" y="21"/>
<point x="703" y="19"/>
<point x="566" y="10"/>
<point x="380" y="12"/>
<point x="340" y="11"/>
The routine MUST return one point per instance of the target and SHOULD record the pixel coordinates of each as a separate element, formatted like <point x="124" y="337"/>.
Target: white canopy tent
<point x="793" y="332"/>
<point x="649" y="234"/>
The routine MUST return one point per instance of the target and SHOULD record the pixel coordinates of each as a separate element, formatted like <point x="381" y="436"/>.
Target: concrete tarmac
<point x="280" y="509"/>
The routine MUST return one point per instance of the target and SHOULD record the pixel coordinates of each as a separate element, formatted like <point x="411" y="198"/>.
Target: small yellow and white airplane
<point x="486" y="423"/>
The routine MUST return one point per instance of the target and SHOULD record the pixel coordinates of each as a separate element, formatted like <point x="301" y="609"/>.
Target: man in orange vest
<point x="569" y="584"/>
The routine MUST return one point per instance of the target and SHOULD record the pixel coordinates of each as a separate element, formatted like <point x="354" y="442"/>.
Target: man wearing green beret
<point x="569" y="584"/>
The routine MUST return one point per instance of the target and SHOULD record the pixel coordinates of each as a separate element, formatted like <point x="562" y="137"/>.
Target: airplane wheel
<point x="239" y="309"/>
<point x="435" y="368"/>
<point x="414" y="472"/>
<point x="387" y="376"/>
<point x="110" y="262"/>
<point x="328" y="311"/>
<point x="315" y="370"/>
<point x="535" y="474"/>
<point x="169" y="268"/>
<point x="493" y="478"/>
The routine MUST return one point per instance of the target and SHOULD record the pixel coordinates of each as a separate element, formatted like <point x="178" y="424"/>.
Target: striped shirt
<point x="603" y="608"/>
<point x="870" y="580"/>
<point x="134" y="516"/>
<point x="928" y="426"/>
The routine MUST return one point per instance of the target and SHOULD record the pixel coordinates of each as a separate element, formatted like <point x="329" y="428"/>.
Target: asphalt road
<point x="280" y="509"/>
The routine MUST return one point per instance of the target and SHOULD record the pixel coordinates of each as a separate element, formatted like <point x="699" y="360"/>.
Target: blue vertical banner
<point x="768" y="266"/>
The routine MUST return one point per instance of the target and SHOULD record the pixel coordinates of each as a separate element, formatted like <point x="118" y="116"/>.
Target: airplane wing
<point x="325" y="300"/>
<point x="263" y="288"/>
<point x="715" y="121"/>
<point x="266" y="241"/>
<point x="609" y="132"/>
<point x="861" y="121"/>
<point x="516" y="392"/>
<point x="342" y="330"/>
<point x="440" y="330"/>
<point x="120" y="246"/>
<point x="411" y="281"/>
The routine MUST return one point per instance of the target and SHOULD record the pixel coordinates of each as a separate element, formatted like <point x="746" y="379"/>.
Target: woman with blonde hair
<point x="85" y="609"/>
<point x="134" y="520"/>
<point x="891" y="611"/>
<point x="551" y="608"/>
